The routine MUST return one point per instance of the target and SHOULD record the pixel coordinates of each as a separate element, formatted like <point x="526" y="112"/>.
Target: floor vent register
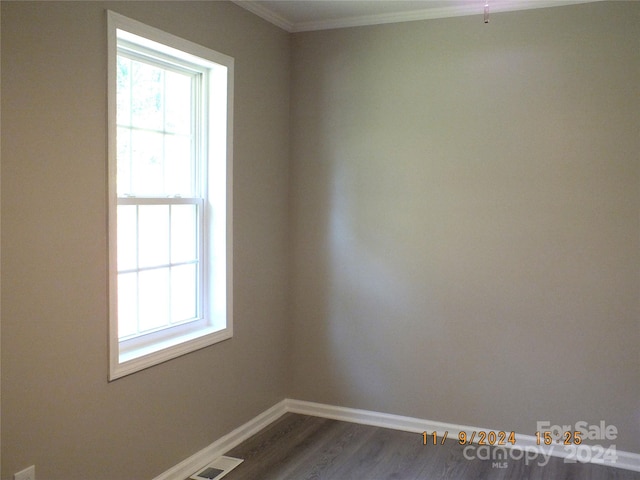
<point x="217" y="469"/>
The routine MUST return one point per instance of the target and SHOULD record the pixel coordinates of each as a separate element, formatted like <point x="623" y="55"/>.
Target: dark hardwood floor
<point x="300" y="447"/>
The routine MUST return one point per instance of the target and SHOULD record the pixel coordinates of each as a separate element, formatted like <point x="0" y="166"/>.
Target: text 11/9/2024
<point x="480" y="437"/>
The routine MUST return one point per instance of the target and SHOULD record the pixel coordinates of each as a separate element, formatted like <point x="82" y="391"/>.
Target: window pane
<point x="154" y="298"/>
<point x="148" y="163"/>
<point x="127" y="237"/>
<point x="123" y="83"/>
<point x="179" y="172"/>
<point x="183" y="293"/>
<point x="183" y="233"/>
<point x="178" y="103"/>
<point x="127" y="304"/>
<point x="153" y="231"/>
<point x="147" y="108"/>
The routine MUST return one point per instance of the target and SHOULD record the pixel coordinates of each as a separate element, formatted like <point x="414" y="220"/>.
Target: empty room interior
<point x="434" y="221"/>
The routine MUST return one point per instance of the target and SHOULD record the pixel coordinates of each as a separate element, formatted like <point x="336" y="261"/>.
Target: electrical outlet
<point x="26" y="474"/>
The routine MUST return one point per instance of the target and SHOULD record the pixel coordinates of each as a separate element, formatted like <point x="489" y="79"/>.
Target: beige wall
<point x="58" y="410"/>
<point x="465" y="218"/>
<point x="464" y="202"/>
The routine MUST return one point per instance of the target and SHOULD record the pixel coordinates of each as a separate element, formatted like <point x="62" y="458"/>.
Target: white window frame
<point x="216" y="324"/>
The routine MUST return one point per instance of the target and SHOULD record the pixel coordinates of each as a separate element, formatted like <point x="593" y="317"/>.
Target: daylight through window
<point x="170" y="184"/>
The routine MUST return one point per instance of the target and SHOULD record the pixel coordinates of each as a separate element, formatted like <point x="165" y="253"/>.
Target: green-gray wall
<point x="466" y="204"/>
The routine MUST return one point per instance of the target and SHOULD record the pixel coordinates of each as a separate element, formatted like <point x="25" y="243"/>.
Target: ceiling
<point x="305" y="15"/>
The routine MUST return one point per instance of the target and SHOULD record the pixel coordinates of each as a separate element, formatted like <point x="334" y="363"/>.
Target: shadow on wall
<point x="466" y="222"/>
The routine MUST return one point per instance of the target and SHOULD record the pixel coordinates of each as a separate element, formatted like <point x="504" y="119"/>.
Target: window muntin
<point x="169" y="182"/>
<point x="160" y="201"/>
<point x="159" y="118"/>
<point x="158" y="246"/>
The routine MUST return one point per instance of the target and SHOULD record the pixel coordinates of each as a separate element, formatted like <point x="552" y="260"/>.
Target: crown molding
<point x="408" y="16"/>
<point x="265" y="13"/>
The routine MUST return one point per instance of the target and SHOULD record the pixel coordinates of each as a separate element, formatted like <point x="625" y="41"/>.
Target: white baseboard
<point x="187" y="467"/>
<point x="628" y="461"/>
<point x="367" y="417"/>
<point x="523" y="443"/>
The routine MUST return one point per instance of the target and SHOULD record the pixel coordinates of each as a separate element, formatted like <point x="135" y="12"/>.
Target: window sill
<point x="138" y="359"/>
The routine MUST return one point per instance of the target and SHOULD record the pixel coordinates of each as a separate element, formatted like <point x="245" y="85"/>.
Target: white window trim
<point x="219" y="324"/>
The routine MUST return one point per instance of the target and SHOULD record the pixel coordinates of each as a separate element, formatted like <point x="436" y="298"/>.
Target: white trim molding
<point x="209" y="76"/>
<point x="523" y="443"/>
<point x="456" y="9"/>
<point x="208" y="454"/>
<point x="266" y="14"/>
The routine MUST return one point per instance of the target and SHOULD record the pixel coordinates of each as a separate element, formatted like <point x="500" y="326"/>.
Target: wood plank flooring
<point x="300" y="447"/>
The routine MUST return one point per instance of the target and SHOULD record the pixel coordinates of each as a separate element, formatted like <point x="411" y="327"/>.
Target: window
<point x="170" y="112"/>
